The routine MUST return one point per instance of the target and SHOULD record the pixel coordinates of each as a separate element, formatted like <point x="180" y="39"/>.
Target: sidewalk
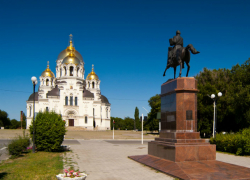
<point x="108" y="160"/>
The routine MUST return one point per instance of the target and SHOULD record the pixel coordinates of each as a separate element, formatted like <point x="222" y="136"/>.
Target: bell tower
<point x="47" y="82"/>
<point x="93" y="83"/>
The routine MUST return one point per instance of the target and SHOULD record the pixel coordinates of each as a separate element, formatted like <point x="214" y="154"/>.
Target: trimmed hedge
<point x="49" y="131"/>
<point x="238" y="143"/>
<point x="18" y="145"/>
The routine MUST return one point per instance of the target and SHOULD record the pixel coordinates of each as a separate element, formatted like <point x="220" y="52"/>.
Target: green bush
<point x="18" y="145"/>
<point x="49" y="131"/>
<point x="238" y="143"/>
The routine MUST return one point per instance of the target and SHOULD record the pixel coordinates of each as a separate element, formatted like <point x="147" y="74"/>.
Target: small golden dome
<point x="71" y="58"/>
<point x="92" y="75"/>
<point x="47" y="72"/>
<point x="68" y="50"/>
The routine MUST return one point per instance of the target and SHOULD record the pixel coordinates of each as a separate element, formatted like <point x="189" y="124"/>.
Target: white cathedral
<point x="79" y="101"/>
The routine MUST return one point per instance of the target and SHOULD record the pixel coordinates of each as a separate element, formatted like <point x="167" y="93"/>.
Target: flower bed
<point x="71" y="174"/>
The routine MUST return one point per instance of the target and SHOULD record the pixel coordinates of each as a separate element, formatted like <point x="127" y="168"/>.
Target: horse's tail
<point x="192" y="49"/>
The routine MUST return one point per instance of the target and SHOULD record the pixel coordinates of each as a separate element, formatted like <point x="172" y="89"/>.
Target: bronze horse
<point x="182" y="55"/>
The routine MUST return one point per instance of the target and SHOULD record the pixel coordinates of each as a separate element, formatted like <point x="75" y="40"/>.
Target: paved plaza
<point x="101" y="157"/>
<point x="108" y="159"/>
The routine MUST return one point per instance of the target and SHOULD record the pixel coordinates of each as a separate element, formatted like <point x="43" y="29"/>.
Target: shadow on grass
<point x="3" y="174"/>
<point x="16" y="156"/>
<point x="153" y="133"/>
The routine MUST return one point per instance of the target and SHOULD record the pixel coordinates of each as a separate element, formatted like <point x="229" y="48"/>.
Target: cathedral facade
<point x="78" y="100"/>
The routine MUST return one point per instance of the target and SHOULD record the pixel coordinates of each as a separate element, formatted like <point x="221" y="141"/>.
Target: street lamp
<point x="142" y="125"/>
<point x="215" y="117"/>
<point x="34" y="81"/>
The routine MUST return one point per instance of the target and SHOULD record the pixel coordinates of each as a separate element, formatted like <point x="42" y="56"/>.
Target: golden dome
<point x="92" y="75"/>
<point x="71" y="58"/>
<point x="47" y="72"/>
<point x="68" y="50"/>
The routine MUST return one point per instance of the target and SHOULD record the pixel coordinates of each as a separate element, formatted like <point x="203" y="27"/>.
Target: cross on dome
<point x="69" y="50"/>
<point x="92" y="75"/>
<point x="47" y="72"/>
<point x="71" y="42"/>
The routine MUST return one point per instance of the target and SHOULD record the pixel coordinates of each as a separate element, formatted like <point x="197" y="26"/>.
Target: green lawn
<point x="38" y="166"/>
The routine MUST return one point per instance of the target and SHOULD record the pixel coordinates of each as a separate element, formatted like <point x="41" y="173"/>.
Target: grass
<point x="38" y="166"/>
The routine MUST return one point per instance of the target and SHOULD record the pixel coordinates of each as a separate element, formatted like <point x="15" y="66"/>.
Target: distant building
<point x="78" y="100"/>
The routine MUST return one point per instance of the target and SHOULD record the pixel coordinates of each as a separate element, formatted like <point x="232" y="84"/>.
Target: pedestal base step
<point x="195" y="170"/>
<point x="179" y="152"/>
<point x="181" y="140"/>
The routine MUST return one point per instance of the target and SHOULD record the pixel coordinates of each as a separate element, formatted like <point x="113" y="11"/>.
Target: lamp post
<point x="34" y="81"/>
<point x="215" y="117"/>
<point x="142" y="129"/>
<point x="113" y="129"/>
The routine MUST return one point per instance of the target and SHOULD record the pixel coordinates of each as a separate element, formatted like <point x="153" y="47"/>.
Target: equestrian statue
<point x="178" y="54"/>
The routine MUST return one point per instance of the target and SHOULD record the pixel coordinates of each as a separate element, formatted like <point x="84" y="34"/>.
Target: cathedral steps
<point x="75" y="128"/>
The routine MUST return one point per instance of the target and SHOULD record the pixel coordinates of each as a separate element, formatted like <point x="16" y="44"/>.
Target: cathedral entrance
<point x="71" y="122"/>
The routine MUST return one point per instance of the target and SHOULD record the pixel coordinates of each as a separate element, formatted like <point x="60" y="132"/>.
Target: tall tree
<point x="24" y="121"/>
<point x="137" y="122"/>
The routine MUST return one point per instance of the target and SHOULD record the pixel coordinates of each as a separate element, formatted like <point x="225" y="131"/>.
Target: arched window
<point x="107" y="113"/>
<point x="65" y="71"/>
<point x="60" y="72"/>
<point x="47" y="82"/>
<point x="47" y="109"/>
<point x="71" y="69"/>
<point x="75" y="101"/>
<point x="93" y="85"/>
<point x="93" y="111"/>
<point x="86" y="119"/>
<point x="71" y="100"/>
<point x="66" y="100"/>
<point x="89" y="84"/>
<point x="30" y="111"/>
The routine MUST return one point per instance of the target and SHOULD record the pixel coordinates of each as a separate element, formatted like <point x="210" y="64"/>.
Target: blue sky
<point x="126" y="40"/>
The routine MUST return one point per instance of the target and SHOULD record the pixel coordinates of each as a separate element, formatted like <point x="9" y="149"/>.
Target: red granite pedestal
<point x="179" y="140"/>
<point x="179" y="151"/>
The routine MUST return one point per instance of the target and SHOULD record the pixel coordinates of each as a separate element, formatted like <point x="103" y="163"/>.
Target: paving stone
<point x="108" y="161"/>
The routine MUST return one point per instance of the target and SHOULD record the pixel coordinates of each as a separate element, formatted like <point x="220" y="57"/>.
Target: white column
<point x="142" y="129"/>
<point x="68" y="71"/>
<point x="63" y="71"/>
<point x="74" y="72"/>
<point x="214" y="119"/>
